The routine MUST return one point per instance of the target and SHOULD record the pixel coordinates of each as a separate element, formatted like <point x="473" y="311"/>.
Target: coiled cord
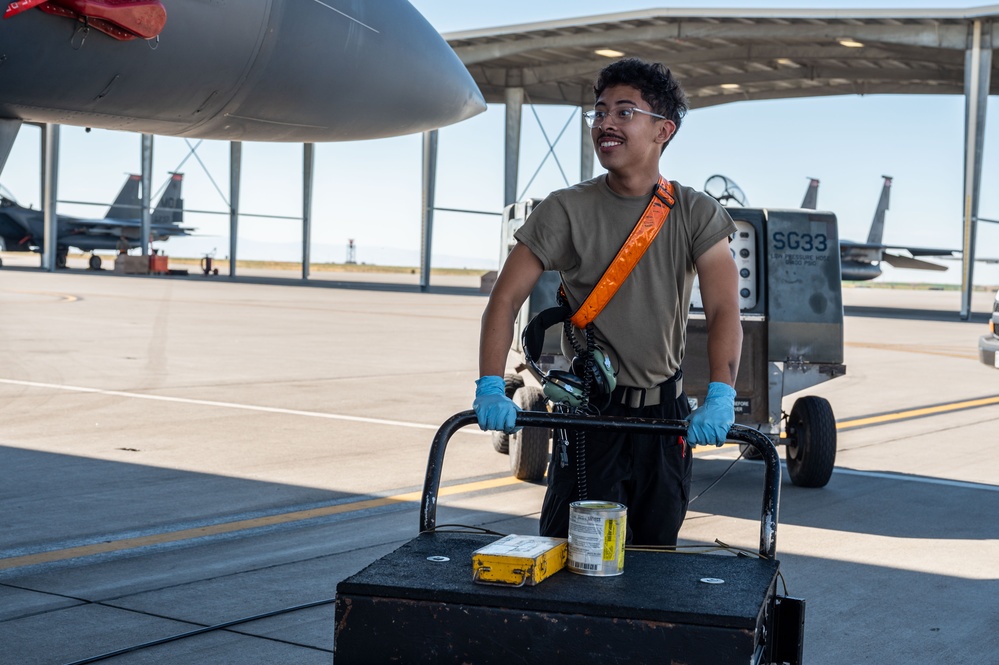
<point x="582" y="491"/>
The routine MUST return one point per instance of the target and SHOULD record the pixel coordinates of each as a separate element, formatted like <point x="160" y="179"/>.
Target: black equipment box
<point x="419" y="604"/>
<point x="413" y="606"/>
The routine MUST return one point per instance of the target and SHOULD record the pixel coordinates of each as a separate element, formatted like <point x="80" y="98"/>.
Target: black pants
<point x="647" y="473"/>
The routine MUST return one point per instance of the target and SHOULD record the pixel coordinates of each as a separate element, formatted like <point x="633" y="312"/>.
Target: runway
<point x="184" y="454"/>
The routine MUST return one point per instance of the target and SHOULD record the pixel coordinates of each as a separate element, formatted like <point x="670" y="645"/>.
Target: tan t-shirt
<point x="578" y="231"/>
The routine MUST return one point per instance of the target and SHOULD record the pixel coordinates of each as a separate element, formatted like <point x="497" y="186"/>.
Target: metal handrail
<point x="759" y="441"/>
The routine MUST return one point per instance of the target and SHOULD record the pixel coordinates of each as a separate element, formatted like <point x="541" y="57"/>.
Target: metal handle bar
<point x="766" y="448"/>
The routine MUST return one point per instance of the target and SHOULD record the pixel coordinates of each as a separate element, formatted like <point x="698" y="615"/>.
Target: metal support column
<point x="977" y="71"/>
<point x="429" y="192"/>
<point x="585" y="150"/>
<point x="50" y="186"/>
<point x="8" y="133"/>
<point x="514" y="100"/>
<point x="147" y="185"/>
<point x="235" y="166"/>
<point x="308" y="167"/>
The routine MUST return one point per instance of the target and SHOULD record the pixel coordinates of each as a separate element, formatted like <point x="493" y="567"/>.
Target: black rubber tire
<point x="529" y="447"/>
<point x="811" y="442"/>
<point x="60" y="258"/>
<point x="749" y="452"/>
<point x="501" y="440"/>
<point x="511" y="382"/>
<point x="94" y="262"/>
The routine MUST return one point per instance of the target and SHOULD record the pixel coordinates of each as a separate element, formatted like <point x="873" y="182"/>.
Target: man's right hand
<point x="493" y="408"/>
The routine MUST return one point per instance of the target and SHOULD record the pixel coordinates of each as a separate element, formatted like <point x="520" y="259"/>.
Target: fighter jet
<point x="255" y="70"/>
<point x="21" y="229"/>
<point x="861" y="260"/>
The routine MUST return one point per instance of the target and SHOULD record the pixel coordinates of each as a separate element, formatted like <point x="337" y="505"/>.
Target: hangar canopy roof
<point x="728" y="55"/>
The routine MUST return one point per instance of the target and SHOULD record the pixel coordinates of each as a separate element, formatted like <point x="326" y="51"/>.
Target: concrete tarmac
<point x="183" y="453"/>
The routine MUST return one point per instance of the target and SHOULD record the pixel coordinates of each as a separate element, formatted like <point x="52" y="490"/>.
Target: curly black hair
<point x="659" y="88"/>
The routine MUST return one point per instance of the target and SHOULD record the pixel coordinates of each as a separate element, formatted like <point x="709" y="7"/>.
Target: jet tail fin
<point x="878" y="223"/>
<point x="170" y="209"/>
<point x="127" y="205"/>
<point x="811" y="194"/>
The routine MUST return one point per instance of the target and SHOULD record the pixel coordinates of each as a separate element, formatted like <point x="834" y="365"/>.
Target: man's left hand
<point x="710" y="422"/>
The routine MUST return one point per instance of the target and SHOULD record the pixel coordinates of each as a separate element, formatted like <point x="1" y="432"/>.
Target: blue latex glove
<point x="494" y="409"/>
<point x="710" y="422"/>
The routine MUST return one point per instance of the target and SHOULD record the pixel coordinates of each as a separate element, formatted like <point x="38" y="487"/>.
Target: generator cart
<point x="419" y="604"/>
<point x="791" y="307"/>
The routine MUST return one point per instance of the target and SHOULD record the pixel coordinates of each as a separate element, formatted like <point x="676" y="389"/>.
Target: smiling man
<point x="578" y="232"/>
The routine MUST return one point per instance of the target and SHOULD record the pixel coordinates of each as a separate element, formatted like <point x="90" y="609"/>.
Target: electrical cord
<point x="449" y="528"/>
<point x="201" y="631"/>
<point x="742" y="453"/>
<point x="464" y="528"/>
<point x="719" y="546"/>
<point x="706" y="549"/>
<point x="582" y="491"/>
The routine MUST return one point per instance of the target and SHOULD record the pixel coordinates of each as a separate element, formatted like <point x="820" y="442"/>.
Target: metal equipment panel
<point x="805" y="311"/>
<point x="752" y="401"/>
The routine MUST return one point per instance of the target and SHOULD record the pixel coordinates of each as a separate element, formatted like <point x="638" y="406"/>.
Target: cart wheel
<point x="501" y="440"/>
<point x="748" y="452"/>
<point x="811" y="442"/>
<point x="529" y="446"/>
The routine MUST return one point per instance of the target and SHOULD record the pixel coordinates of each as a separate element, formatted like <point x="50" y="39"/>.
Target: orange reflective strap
<point x="630" y="253"/>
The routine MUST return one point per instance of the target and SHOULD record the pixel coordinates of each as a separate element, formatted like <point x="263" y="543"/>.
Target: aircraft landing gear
<point x="94" y="262"/>
<point x="61" y="253"/>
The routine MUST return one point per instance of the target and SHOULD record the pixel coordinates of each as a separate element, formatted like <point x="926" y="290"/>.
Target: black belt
<point x="636" y="398"/>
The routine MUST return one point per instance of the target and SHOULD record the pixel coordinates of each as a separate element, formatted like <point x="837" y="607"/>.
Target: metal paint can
<point x="597" y="531"/>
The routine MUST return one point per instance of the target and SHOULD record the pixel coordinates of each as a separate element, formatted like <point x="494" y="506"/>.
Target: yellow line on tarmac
<point x="240" y="525"/>
<point x="355" y="506"/>
<point x="917" y="413"/>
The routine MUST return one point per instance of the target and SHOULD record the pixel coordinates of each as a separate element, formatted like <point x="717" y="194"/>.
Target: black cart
<point x="420" y="605"/>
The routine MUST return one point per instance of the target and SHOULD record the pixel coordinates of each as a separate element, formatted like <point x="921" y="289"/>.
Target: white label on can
<point x="593" y="540"/>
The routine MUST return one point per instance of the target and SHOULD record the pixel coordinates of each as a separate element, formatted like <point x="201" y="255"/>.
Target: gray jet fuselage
<point x="253" y="70"/>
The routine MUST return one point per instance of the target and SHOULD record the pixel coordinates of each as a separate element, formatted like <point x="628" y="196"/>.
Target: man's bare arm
<point x="719" y="283"/>
<point x="520" y="273"/>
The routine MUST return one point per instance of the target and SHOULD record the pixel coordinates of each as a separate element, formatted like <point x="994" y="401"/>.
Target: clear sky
<point x="769" y="148"/>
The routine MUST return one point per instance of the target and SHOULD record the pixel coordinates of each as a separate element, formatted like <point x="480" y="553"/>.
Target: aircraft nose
<point x="423" y="76"/>
<point x="330" y="71"/>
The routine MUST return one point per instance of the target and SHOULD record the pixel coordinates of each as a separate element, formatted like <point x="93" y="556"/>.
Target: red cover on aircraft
<point x="122" y="19"/>
<point x="19" y="6"/>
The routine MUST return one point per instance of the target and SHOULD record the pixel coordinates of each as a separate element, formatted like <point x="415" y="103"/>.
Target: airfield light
<point x="850" y="43"/>
<point x="608" y="53"/>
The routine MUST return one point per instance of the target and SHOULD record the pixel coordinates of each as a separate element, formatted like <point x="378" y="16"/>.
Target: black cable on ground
<point x="200" y="631"/>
